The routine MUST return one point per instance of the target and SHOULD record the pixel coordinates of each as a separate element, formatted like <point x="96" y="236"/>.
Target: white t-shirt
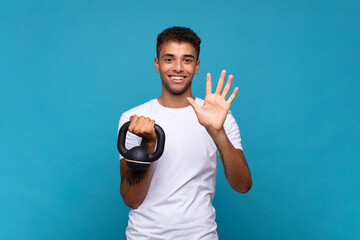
<point x="178" y="204"/>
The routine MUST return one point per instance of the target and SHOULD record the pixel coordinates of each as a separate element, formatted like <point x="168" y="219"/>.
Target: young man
<point x="173" y="198"/>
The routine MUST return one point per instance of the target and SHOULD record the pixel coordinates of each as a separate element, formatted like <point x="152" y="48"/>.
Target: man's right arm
<point x="135" y="183"/>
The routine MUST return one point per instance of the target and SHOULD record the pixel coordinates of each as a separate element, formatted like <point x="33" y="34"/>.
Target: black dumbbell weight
<point x="139" y="157"/>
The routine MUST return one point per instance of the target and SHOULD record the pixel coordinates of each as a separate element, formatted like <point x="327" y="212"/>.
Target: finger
<point x="193" y="104"/>
<point x="133" y="120"/>
<point x="134" y="117"/>
<point x="208" y="84"/>
<point x="150" y="125"/>
<point x="232" y="96"/>
<point x="139" y="125"/>
<point x="220" y="82"/>
<point x="227" y="86"/>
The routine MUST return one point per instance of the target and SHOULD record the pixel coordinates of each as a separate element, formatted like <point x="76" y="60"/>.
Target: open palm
<point x="213" y="112"/>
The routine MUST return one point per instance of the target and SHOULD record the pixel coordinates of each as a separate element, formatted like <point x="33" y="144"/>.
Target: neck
<point x="175" y="101"/>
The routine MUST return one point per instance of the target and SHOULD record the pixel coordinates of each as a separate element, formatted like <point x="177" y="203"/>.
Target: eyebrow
<point x="172" y="55"/>
<point x="189" y="55"/>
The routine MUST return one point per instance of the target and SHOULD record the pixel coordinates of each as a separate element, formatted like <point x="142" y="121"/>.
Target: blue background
<point x="68" y="69"/>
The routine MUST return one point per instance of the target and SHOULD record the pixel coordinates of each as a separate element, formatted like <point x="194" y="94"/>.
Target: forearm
<point x="234" y="163"/>
<point x="134" y="183"/>
<point x="134" y="186"/>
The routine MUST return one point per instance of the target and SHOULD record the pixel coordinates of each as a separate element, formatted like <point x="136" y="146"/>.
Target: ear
<point x="197" y="66"/>
<point x="156" y="62"/>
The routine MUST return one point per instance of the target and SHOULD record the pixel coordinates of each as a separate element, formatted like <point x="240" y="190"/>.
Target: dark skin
<point x="177" y="60"/>
<point x="212" y="115"/>
<point x="135" y="183"/>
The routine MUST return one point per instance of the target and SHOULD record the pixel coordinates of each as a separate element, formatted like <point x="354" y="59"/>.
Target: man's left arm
<point x="234" y="163"/>
<point x="212" y="115"/>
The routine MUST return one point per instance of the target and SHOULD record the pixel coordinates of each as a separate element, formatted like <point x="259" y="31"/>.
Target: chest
<point x="187" y="142"/>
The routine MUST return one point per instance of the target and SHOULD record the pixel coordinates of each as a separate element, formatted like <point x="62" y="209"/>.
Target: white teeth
<point x="177" y="78"/>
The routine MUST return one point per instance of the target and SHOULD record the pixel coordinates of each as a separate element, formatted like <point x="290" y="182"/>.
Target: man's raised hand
<point x="212" y="113"/>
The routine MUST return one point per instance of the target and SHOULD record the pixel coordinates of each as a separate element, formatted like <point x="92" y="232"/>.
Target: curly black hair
<point x="178" y="34"/>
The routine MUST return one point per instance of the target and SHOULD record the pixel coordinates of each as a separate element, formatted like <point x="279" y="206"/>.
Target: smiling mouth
<point x="177" y="79"/>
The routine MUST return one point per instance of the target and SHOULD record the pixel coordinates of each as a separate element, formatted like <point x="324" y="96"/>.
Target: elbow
<point x="246" y="188"/>
<point x="243" y="187"/>
<point x="130" y="202"/>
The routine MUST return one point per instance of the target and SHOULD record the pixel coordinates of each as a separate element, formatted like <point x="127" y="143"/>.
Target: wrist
<point x="217" y="134"/>
<point x="149" y="144"/>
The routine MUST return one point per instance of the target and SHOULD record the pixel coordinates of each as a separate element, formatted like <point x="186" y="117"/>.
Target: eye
<point x="188" y="60"/>
<point x="168" y="59"/>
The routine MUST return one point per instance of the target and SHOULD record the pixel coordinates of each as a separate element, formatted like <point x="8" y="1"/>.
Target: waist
<point x="156" y="226"/>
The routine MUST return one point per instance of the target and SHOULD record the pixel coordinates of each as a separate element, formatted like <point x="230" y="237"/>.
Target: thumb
<point x="193" y="104"/>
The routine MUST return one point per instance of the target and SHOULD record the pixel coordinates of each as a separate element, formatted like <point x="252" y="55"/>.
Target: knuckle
<point x="131" y="126"/>
<point x="135" y="131"/>
<point x="131" y="130"/>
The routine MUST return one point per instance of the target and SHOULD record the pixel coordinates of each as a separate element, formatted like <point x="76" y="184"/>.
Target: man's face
<point x="177" y="65"/>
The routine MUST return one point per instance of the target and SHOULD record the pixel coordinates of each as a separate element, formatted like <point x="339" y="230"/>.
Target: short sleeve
<point x="131" y="139"/>
<point x="232" y="131"/>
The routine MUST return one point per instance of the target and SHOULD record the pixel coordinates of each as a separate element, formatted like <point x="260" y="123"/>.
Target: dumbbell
<point x="139" y="157"/>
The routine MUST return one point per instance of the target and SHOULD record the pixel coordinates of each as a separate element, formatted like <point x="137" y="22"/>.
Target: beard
<point x="176" y="91"/>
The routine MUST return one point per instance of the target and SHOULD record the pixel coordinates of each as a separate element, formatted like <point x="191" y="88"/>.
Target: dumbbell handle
<point x="152" y="156"/>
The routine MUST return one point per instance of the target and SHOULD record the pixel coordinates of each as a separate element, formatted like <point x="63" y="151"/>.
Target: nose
<point x="178" y="66"/>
